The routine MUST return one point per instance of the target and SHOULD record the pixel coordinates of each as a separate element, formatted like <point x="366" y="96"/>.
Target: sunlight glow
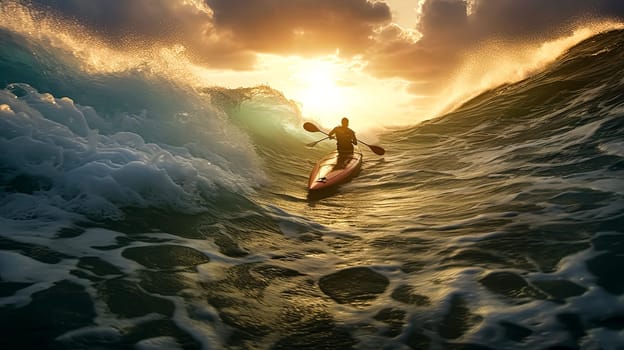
<point x="318" y="90"/>
<point x="331" y="87"/>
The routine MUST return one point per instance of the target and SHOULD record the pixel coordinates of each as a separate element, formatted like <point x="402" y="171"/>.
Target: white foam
<point x="15" y="267"/>
<point x="613" y="148"/>
<point x="86" y="336"/>
<point x="158" y="343"/>
<point x="76" y="169"/>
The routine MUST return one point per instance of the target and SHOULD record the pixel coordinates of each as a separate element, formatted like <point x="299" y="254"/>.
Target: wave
<point x="128" y="139"/>
<point x="559" y="105"/>
<point x="497" y="63"/>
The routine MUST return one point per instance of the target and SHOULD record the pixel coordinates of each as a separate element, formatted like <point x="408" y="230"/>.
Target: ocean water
<point x="139" y="212"/>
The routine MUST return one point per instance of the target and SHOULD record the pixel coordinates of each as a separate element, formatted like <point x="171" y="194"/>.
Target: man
<point x="345" y="137"/>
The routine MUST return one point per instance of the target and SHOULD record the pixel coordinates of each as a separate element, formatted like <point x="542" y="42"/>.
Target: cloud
<point x="301" y="26"/>
<point x="467" y="22"/>
<point x="137" y="23"/>
<point x="450" y="29"/>
<point x="510" y="18"/>
<point x="229" y="33"/>
<point x="122" y="19"/>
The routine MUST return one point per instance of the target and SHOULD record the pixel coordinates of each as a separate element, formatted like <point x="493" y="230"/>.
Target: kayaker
<point x="345" y="137"/>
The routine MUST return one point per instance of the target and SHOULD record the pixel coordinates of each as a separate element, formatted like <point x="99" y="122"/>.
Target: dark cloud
<point x="231" y="31"/>
<point x="455" y="22"/>
<point x="137" y="23"/>
<point x="443" y="22"/>
<point x="509" y="18"/>
<point x="301" y="26"/>
<point x="122" y="19"/>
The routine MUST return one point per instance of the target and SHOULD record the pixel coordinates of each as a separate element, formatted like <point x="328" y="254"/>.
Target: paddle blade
<point x="377" y="150"/>
<point x="310" y="127"/>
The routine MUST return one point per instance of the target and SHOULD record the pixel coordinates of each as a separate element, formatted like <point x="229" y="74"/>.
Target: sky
<point x="378" y="62"/>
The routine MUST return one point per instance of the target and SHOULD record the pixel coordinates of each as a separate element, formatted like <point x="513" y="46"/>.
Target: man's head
<point x="345" y="122"/>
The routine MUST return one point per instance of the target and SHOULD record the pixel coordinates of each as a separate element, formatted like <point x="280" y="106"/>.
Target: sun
<point x="329" y="88"/>
<point x="319" y="92"/>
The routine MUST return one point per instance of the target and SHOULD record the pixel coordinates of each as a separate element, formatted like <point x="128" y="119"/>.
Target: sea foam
<point x="54" y="161"/>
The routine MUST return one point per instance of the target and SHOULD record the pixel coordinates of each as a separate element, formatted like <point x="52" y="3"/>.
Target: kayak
<point x="334" y="169"/>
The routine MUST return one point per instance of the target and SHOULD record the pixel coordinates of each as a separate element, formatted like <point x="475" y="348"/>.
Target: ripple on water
<point x="257" y="301"/>
<point x="165" y="256"/>
<point x="356" y="285"/>
<point x="511" y="285"/>
<point x="406" y="295"/>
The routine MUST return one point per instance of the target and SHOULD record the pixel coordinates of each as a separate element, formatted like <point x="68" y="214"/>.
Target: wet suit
<point x="345" y="139"/>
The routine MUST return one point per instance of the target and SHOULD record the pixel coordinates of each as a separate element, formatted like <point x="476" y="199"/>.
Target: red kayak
<point x="334" y="169"/>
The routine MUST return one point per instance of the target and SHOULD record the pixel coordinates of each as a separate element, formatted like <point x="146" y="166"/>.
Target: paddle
<point x="313" y="128"/>
<point x="376" y="149"/>
<point x="312" y="144"/>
